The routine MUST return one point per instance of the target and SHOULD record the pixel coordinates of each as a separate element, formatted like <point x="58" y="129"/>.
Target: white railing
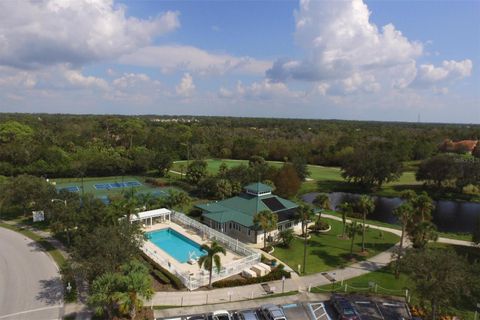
<point x="201" y="278"/>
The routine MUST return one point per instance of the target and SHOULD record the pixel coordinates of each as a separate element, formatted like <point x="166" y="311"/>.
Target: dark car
<point x="247" y="315"/>
<point x="344" y="308"/>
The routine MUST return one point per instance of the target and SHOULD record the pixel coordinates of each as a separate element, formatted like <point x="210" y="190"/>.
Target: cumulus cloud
<point x="47" y="32"/>
<point x="449" y="71"/>
<point x="186" y="87"/>
<point x="263" y="90"/>
<point x="171" y="58"/>
<point x="345" y="52"/>
<point x="339" y="41"/>
<point x="76" y="78"/>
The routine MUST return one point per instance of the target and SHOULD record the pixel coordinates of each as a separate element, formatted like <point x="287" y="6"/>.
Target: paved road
<point x="30" y="286"/>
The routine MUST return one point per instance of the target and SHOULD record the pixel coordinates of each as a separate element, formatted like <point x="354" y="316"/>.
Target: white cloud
<point x="346" y="53"/>
<point x="263" y="90"/>
<point x="339" y="41"/>
<point x="77" y="79"/>
<point x="186" y="87"/>
<point x="449" y="71"/>
<point x="191" y="59"/>
<point x="38" y="33"/>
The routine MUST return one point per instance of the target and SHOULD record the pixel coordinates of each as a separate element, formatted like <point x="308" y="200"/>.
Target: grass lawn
<point x="47" y="246"/>
<point x="384" y="278"/>
<point x="451" y="235"/>
<point x="327" y="251"/>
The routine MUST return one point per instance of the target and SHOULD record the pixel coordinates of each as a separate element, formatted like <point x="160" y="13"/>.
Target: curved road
<point x="30" y="285"/>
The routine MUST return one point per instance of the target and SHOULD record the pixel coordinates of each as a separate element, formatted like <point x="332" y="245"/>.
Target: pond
<point x="449" y="216"/>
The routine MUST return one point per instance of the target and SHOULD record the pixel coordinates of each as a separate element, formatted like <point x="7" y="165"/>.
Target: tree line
<point x="69" y="145"/>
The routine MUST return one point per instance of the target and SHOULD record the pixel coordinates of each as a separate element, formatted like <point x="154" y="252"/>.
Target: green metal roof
<point x="258" y="187"/>
<point x="241" y="209"/>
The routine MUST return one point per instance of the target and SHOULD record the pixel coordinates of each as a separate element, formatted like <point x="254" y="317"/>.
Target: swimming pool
<point x="175" y="244"/>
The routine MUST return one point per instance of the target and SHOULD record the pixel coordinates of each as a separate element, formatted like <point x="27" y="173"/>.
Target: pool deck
<point x="229" y="257"/>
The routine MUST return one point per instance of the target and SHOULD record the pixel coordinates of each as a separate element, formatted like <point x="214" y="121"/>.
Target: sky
<point x="328" y="59"/>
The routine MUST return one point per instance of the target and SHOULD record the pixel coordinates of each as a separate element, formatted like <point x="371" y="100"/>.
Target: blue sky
<point x="364" y="60"/>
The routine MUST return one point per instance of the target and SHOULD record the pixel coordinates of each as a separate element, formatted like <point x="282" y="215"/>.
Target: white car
<point x="221" y="315"/>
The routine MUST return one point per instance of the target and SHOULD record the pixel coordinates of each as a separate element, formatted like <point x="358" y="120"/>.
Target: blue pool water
<point x="175" y="244"/>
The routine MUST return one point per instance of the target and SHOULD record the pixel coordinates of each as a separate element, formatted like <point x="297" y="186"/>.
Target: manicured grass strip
<point x="47" y="246"/>
<point x="384" y="278"/>
<point x="326" y="251"/>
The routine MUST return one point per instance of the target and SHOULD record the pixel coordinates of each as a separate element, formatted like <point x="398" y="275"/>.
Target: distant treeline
<point x="74" y="145"/>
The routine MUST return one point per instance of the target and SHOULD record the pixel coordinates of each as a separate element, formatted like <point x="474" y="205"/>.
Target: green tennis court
<point x="103" y="187"/>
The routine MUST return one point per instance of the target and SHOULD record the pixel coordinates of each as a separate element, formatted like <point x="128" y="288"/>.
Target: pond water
<point x="449" y="216"/>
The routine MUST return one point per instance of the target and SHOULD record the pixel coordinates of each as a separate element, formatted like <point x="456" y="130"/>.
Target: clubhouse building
<point x="234" y="216"/>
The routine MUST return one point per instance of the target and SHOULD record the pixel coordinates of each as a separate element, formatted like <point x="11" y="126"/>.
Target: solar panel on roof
<point x="273" y="204"/>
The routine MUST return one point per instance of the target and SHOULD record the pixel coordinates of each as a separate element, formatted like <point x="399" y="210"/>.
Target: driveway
<point x="30" y="285"/>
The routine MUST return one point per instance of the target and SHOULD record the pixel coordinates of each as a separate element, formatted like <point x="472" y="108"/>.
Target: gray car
<point x="247" y="315"/>
<point x="272" y="312"/>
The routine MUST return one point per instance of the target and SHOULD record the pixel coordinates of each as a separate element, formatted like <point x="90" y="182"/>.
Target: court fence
<point x="195" y="280"/>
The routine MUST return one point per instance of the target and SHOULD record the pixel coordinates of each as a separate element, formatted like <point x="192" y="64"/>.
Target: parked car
<point x="221" y="315"/>
<point x="344" y="308"/>
<point x="247" y="315"/>
<point x="272" y="312"/>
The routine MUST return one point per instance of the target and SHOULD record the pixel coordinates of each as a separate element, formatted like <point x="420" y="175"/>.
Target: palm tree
<point x="104" y="293"/>
<point x="422" y="233"/>
<point x="404" y="213"/>
<point x="353" y="228"/>
<point x="323" y="202"/>
<point x="346" y="210"/>
<point x="305" y="214"/>
<point x="366" y="206"/>
<point x="267" y="220"/>
<point x="212" y="257"/>
<point x="423" y="204"/>
<point x="136" y="286"/>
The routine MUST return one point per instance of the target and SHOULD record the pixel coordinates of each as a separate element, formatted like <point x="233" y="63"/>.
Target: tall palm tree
<point x="323" y="202"/>
<point x="136" y="284"/>
<point x="424" y="206"/>
<point x="268" y="221"/>
<point x="104" y="293"/>
<point x="404" y="213"/>
<point x="366" y="206"/>
<point x="305" y="214"/>
<point x="211" y="258"/>
<point x="346" y="210"/>
<point x="353" y="228"/>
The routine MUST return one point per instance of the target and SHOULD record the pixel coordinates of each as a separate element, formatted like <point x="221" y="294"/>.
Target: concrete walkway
<point x="296" y="283"/>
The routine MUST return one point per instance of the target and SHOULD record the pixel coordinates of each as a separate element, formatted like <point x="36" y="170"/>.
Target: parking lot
<point x="366" y="308"/>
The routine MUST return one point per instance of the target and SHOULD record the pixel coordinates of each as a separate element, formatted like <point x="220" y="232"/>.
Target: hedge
<point x="162" y="274"/>
<point x="276" y="274"/>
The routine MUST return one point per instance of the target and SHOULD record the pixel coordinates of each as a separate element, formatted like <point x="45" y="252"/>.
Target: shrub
<point x="286" y="237"/>
<point x="276" y="274"/>
<point x="157" y="270"/>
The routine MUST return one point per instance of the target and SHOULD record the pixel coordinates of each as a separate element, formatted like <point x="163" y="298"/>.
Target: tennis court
<point x="105" y="187"/>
